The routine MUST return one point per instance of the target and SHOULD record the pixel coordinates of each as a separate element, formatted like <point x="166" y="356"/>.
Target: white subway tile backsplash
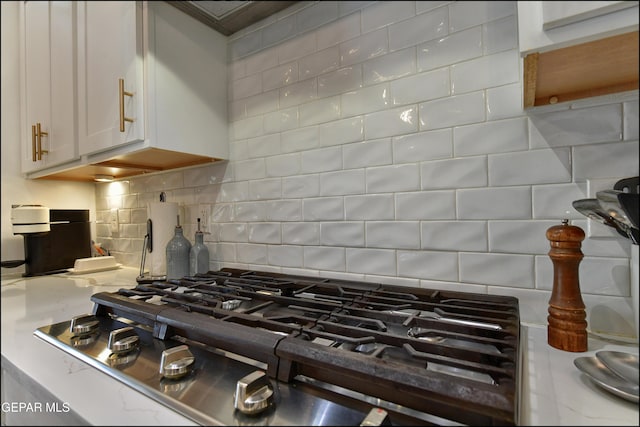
<point x="340" y="132"/>
<point x="251" y="253"/>
<point x="371" y="261"/>
<point x="323" y="209"/>
<point x="454" y="173"/>
<point x="344" y="233"/>
<point x="418" y="29"/>
<point x="605" y="160"/>
<point x="554" y="201"/>
<point x="283" y="210"/>
<point x="454" y="235"/>
<point x="299" y="139"/>
<point x="392" y="234"/>
<point x="318" y="14"/>
<point x="263" y="146"/>
<point x="322" y="160"/>
<point x="365" y="100"/>
<point x="325" y="258"/>
<point x="298" y="93"/>
<point x="265" y="189"/>
<point x="283" y="75"/>
<point x="297" y="47"/>
<point x="301" y="233"/>
<point x="367" y="153"/>
<point x="411" y="183"/>
<point x="247" y="128"/>
<point x="245" y="87"/>
<point x="390" y="66"/>
<point x="342" y="182"/>
<point x="453" y="111"/>
<point x="530" y="167"/>
<point x="365" y="47"/>
<point x="520" y="237"/>
<point x="280" y="121"/>
<point x="494" y="203"/>
<point x="338" y="31"/>
<point x="369" y="207"/>
<point x="285" y="256"/>
<point x="319" y="111"/>
<point x="597" y="276"/>
<point x="343" y="80"/>
<point x="426" y="205"/>
<point x="423" y="146"/>
<point x="450" y="49"/>
<point x="491" y="137"/>
<point x="500" y="35"/>
<point x="249" y="211"/>
<point x="420" y="87"/>
<point x="397" y="121"/>
<point x="504" y="102"/>
<point x="384" y="179"/>
<point x="283" y="165"/>
<point x="514" y="271"/>
<point x="486" y="72"/>
<point x="250" y="169"/>
<point x="265" y="232"/>
<point x="576" y="127"/>
<point x="465" y="14"/>
<point x="384" y="13"/>
<point x="301" y="186"/>
<point x="429" y="265"/>
<point x="319" y="63"/>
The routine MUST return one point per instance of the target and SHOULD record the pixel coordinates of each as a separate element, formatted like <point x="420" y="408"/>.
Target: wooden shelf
<point x="596" y="68"/>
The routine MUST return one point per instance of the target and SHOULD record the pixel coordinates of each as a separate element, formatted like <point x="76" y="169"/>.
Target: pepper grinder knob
<point x="567" y="327"/>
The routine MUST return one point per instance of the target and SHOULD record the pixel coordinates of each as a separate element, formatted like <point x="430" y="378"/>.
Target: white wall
<point x="15" y="189"/>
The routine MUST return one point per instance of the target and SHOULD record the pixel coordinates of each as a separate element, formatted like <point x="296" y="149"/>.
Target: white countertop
<point x="554" y="391"/>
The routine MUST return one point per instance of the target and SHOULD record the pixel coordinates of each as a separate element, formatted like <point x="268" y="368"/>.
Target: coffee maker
<point x="53" y="238"/>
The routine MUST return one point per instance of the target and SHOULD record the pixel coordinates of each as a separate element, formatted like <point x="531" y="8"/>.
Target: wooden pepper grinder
<point x="567" y="327"/>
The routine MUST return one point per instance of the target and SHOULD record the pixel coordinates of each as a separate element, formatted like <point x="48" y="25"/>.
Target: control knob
<point x="123" y="340"/>
<point x="253" y="394"/>
<point x="176" y="362"/>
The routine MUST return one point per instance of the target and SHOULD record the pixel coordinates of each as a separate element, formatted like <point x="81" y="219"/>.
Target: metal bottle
<point x="178" y="250"/>
<point x="199" y="254"/>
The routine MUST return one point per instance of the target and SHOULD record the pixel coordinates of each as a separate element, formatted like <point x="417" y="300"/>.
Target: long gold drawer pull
<point x="33" y="143"/>
<point x="39" y="135"/>
<point x="122" y="94"/>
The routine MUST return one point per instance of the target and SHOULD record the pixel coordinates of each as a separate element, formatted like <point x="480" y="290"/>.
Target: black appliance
<point x="57" y="250"/>
<point x="242" y="347"/>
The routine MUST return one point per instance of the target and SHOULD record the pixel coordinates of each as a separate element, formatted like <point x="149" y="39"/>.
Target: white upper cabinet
<point x="110" y="86"/>
<point x="549" y="25"/>
<point x="48" y="127"/>
<point x="151" y="91"/>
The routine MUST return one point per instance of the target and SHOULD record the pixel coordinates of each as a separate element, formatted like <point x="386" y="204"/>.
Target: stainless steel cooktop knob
<point x="84" y="324"/>
<point x="176" y="362"/>
<point x="123" y="340"/>
<point x="253" y="394"/>
<point x="376" y="417"/>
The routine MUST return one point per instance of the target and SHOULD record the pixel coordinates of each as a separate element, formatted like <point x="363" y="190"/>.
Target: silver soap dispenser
<point x="178" y="250"/>
<point x="199" y="254"/>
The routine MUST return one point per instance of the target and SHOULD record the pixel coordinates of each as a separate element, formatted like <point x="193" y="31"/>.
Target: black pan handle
<point x="630" y="183"/>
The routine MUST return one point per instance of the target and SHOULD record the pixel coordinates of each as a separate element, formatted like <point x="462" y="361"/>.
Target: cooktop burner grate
<point x="455" y="355"/>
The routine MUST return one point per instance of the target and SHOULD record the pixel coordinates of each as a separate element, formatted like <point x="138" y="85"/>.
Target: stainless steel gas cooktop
<point x="248" y="347"/>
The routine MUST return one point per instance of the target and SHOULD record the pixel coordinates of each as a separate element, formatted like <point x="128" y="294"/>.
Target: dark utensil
<point x="628" y="185"/>
<point x="630" y="205"/>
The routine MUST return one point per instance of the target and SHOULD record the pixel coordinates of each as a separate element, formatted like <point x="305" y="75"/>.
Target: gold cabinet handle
<point x="122" y="94"/>
<point x="33" y="143"/>
<point x="39" y="135"/>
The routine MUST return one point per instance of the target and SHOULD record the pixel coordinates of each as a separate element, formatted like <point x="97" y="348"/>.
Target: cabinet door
<point x="110" y="91"/>
<point x="48" y="85"/>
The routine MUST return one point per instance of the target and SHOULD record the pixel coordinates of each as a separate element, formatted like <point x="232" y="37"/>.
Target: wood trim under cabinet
<point x="586" y="70"/>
